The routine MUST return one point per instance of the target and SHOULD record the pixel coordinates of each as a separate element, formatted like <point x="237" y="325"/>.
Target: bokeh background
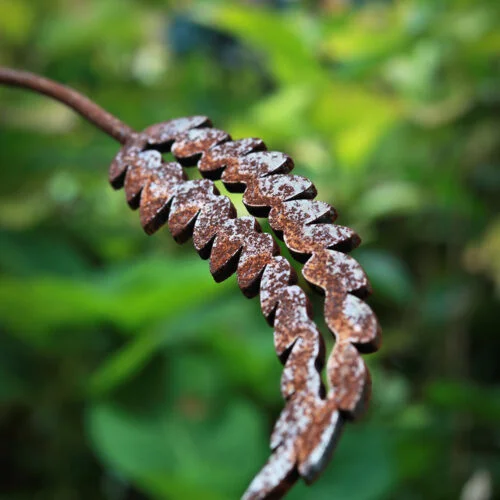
<point x="125" y="371"/>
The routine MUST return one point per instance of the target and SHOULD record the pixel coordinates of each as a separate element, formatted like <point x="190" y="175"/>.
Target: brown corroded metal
<point x="309" y="425"/>
<point x="313" y="417"/>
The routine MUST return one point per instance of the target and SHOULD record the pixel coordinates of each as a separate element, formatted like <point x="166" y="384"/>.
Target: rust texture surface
<point x="313" y="416"/>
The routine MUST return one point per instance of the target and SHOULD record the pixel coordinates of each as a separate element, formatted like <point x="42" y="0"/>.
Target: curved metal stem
<point x="76" y="101"/>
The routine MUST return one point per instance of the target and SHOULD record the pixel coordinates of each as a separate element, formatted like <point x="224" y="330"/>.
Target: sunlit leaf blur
<point x="125" y="371"/>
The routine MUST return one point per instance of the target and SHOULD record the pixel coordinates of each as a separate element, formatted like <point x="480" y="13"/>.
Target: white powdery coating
<point x="340" y="264"/>
<point x="288" y="382"/>
<point x="210" y="220"/>
<point x="149" y="159"/>
<point x="257" y="245"/>
<point x="264" y="295"/>
<point x="213" y="212"/>
<point x="282" y="430"/>
<point x="120" y="155"/>
<point x="295" y="368"/>
<point x="166" y="180"/>
<point x="197" y="190"/>
<point x="332" y="233"/>
<point x="279" y="465"/>
<point x="265" y="162"/>
<point x="201" y="134"/>
<point x="233" y="148"/>
<point x="243" y="233"/>
<point x="243" y="146"/>
<point x="317" y="455"/>
<point x="296" y="418"/>
<point x="278" y="272"/>
<point x="315" y="237"/>
<point x="125" y="156"/>
<point x="305" y="211"/>
<point x="169" y="129"/>
<point x="298" y="314"/>
<point x="357" y="312"/>
<point x="274" y="280"/>
<point x="350" y="367"/>
<point x="283" y="187"/>
<point x="131" y="150"/>
<point x="302" y="417"/>
<point x="158" y="189"/>
<point x="232" y="228"/>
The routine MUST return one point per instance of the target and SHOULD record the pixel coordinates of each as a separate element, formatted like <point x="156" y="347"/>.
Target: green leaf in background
<point x="122" y="22"/>
<point x="481" y="402"/>
<point x="40" y="252"/>
<point x="362" y="467"/>
<point x="182" y="450"/>
<point x="16" y="20"/>
<point x="130" y="296"/>
<point x="125" y="371"/>
<point x="242" y="343"/>
<point x="283" y="39"/>
<point x="389" y="277"/>
<point x="281" y="115"/>
<point x="358" y="38"/>
<point x="391" y="199"/>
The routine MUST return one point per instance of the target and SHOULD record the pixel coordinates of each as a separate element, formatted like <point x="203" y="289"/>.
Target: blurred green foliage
<point x="125" y="372"/>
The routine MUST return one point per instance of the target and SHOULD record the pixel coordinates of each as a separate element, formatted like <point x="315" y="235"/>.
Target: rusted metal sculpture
<point x="312" y="419"/>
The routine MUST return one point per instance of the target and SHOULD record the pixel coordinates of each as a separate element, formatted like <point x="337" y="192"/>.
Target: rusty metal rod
<point x="76" y="101"/>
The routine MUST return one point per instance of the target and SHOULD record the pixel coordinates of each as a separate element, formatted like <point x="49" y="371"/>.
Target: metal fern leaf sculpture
<point x="311" y="421"/>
